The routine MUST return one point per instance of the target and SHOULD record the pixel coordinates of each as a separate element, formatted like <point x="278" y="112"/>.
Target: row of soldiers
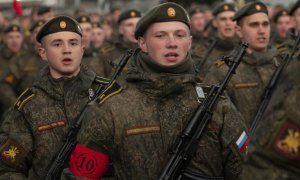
<point x="135" y="121"/>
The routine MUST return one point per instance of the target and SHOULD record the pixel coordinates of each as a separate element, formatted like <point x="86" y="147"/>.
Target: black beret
<point x="36" y="25"/>
<point x="282" y="12"/>
<point x="132" y="13"/>
<point x="43" y="10"/>
<point x="59" y="24"/>
<point x="222" y="7"/>
<point x="96" y="25"/>
<point x="165" y="12"/>
<point x="249" y="9"/>
<point x="195" y="10"/>
<point x="83" y="19"/>
<point x="294" y="7"/>
<point x="12" y="28"/>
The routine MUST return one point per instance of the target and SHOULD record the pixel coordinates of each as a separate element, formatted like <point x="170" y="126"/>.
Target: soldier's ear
<point x="238" y="31"/>
<point x="142" y="44"/>
<point x="42" y="53"/>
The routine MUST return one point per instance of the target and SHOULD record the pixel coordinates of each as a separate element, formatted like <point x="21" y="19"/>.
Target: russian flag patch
<point x="242" y="142"/>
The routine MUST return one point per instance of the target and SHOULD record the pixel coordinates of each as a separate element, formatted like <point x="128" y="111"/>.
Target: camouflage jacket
<point x="275" y="153"/>
<point x="247" y="85"/>
<point x="138" y="126"/>
<point x="35" y="128"/>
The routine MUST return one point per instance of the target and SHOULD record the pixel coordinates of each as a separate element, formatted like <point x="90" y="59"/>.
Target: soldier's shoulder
<point x="110" y="90"/>
<point x="24" y="98"/>
<point x="107" y="48"/>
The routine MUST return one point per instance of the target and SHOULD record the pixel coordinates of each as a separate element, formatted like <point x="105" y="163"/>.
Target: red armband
<point x="88" y="163"/>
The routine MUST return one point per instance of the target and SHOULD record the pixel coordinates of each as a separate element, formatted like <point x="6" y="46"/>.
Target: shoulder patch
<point x="219" y="62"/>
<point x="287" y="142"/>
<point x="12" y="152"/>
<point x="24" y="98"/>
<point x="106" y="50"/>
<point x="111" y="90"/>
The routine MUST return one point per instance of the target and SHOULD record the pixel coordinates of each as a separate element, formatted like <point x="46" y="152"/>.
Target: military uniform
<point x="274" y="154"/>
<point x="137" y="126"/>
<point x="248" y="84"/>
<point x="34" y="129"/>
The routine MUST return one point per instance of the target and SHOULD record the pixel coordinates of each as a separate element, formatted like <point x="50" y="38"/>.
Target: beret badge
<point x="62" y="24"/>
<point x="257" y="7"/>
<point x="171" y="12"/>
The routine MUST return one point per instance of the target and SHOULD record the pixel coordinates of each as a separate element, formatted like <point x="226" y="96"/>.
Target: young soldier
<point x="257" y="66"/>
<point x="90" y="57"/>
<point x="283" y="23"/>
<point x="13" y="40"/>
<point x="137" y="127"/>
<point x="224" y="41"/>
<point x="35" y="128"/>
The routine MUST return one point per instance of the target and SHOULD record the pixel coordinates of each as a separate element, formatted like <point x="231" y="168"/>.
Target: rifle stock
<point x="268" y="92"/>
<point x="70" y="143"/>
<point x="187" y="143"/>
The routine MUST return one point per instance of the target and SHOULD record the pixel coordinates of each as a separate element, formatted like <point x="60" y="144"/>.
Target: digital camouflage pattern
<point x="138" y="126"/>
<point x="247" y="85"/>
<point x="33" y="131"/>
<point x="220" y="48"/>
<point x="275" y="152"/>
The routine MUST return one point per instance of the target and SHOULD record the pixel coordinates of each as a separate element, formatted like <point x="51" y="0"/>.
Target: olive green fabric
<point x="274" y="153"/>
<point x="251" y="77"/>
<point x="223" y="7"/>
<point x="35" y="129"/>
<point x="138" y="126"/>
<point x="249" y="9"/>
<point x="162" y="13"/>
<point x="132" y="13"/>
<point x="295" y="6"/>
<point x="59" y="24"/>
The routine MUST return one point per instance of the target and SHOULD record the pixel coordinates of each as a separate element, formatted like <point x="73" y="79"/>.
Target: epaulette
<point x="101" y="80"/>
<point x="108" y="92"/>
<point x="202" y="91"/>
<point x="219" y="62"/>
<point x="24" y="98"/>
<point x="107" y="49"/>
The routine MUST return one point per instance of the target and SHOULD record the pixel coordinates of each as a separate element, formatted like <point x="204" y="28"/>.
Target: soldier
<point x="138" y="126"/>
<point x="283" y="23"/>
<point x="258" y="64"/>
<point x="13" y="39"/>
<point x="98" y="36"/>
<point x="90" y="57"/>
<point x="34" y="129"/>
<point x="274" y="153"/>
<point x="224" y="41"/>
<point x="112" y="53"/>
<point x="27" y="64"/>
<point x="197" y="24"/>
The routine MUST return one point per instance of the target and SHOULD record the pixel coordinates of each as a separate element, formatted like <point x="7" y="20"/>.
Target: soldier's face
<point x="255" y="29"/>
<point x="167" y="43"/>
<point x="13" y="41"/>
<point x="63" y="51"/>
<point x="283" y="25"/>
<point x="197" y="22"/>
<point x="86" y="33"/>
<point x="296" y="19"/>
<point x="98" y="37"/>
<point x="223" y="22"/>
<point x="127" y="29"/>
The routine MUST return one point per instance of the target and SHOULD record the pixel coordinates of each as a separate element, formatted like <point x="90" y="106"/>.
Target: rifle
<point x="269" y="89"/>
<point x="208" y="52"/>
<point x="187" y="143"/>
<point x="64" y="153"/>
